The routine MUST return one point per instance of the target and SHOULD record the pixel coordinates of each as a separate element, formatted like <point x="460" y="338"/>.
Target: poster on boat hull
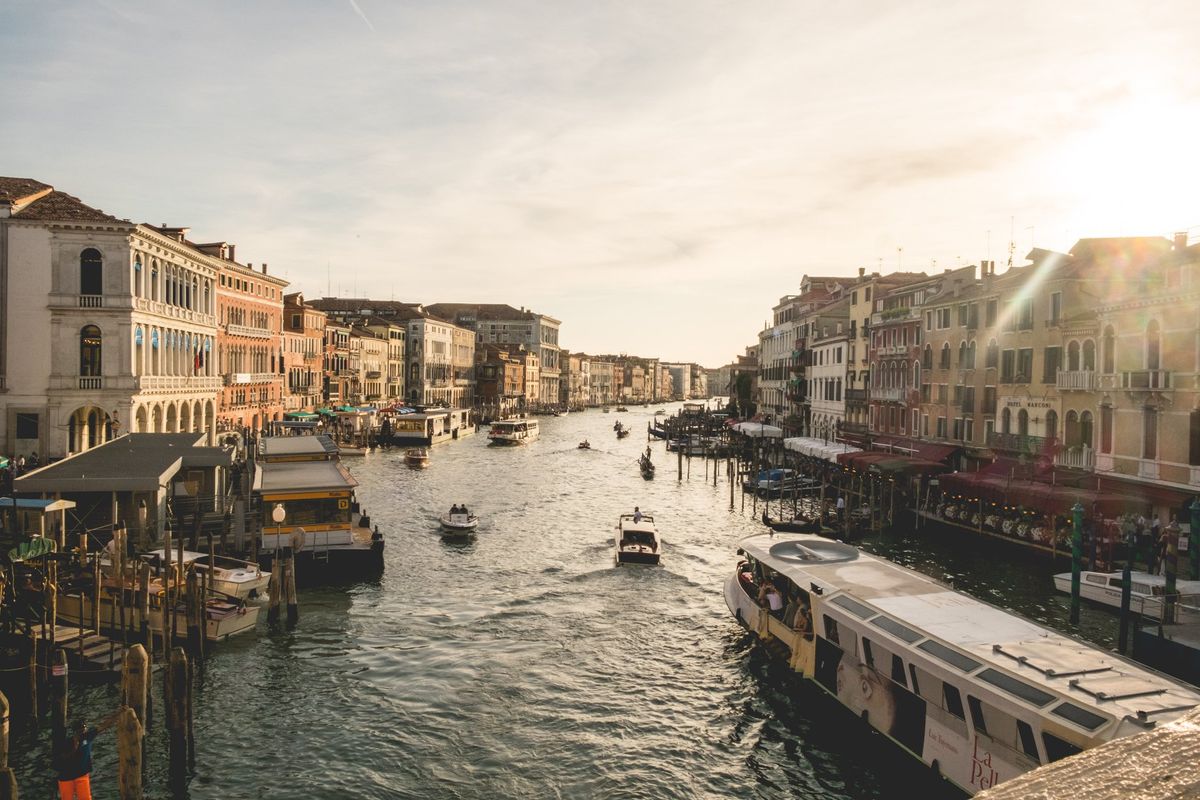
<point x="873" y="696"/>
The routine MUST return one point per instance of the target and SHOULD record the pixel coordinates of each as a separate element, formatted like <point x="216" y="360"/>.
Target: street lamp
<point x="278" y="514"/>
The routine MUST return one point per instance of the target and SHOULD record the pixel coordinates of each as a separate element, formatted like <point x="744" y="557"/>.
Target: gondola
<point x="797" y="525"/>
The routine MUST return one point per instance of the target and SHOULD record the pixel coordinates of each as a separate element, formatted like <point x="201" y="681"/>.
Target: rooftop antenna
<point x="328" y="284"/>
<point x="1012" y="245"/>
<point x="899" y="253"/>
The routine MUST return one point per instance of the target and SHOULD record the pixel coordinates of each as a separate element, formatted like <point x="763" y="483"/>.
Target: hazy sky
<point x="654" y="174"/>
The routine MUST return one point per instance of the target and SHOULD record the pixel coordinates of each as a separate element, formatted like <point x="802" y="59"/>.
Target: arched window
<point x="993" y="354"/>
<point x="1153" y="356"/>
<point x="89" y="351"/>
<point x="916" y="382"/>
<point x="945" y="363"/>
<point x="1071" y="430"/>
<point x="1073" y="356"/>
<point x="1006" y="421"/>
<point x="1023" y="422"/>
<point x="1109" y="347"/>
<point x="1085" y="429"/>
<point x="971" y="354"/>
<point x="1089" y="354"/>
<point x="91" y="272"/>
<point x="962" y="355"/>
<point x="153" y="280"/>
<point x="1051" y="424"/>
<point x="928" y="356"/>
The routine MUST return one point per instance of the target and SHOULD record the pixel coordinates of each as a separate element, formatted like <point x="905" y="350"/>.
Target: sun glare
<point x="1133" y="171"/>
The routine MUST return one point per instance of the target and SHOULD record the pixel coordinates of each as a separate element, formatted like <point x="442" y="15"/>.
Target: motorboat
<point x="605" y="409"/>
<point x="514" y="431"/>
<point x="232" y="577"/>
<point x="621" y="408"/>
<point x="585" y="445"/>
<point x="417" y="457"/>
<point x="1147" y="593"/>
<point x="660" y="411"/>
<point x="459" y="523"/>
<point x="973" y="691"/>
<point x="772" y="482"/>
<point x="637" y="541"/>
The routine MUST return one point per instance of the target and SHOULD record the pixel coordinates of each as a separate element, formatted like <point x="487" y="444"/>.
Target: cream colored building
<point x="107" y="326"/>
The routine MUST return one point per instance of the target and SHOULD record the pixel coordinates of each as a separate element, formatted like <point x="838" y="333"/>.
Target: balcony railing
<point x="1076" y="380"/>
<point x="1146" y="380"/>
<point x="856" y="395"/>
<point x="1148" y="469"/>
<point x="91" y="301"/>
<point x="91" y="382"/>
<point x="246" y="330"/>
<point x="242" y="378"/>
<point x="1016" y="443"/>
<point x="152" y="383"/>
<point x="891" y="395"/>
<point x="1077" y="458"/>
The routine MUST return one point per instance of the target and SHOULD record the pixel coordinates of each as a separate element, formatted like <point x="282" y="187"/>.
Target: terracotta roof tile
<point x="14" y="189"/>
<point x="60" y="206"/>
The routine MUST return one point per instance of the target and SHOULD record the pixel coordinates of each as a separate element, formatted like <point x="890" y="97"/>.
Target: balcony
<point x="1146" y="380"/>
<point x="893" y="315"/>
<point x="243" y="378"/>
<point x="197" y="383"/>
<point x="1016" y="443"/>
<point x="1076" y="380"/>
<point x="91" y="382"/>
<point x="856" y="395"/>
<point x="1148" y="469"/>
<point x="91" y="301"/>
<point x="1080" y="457"/>
<point x="894" y="350"/>
<point x="891" y="395"/>
<point x="374" y="374"/>
<point x="246" y="330"/>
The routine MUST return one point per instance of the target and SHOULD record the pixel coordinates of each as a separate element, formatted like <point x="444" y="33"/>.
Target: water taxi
<point x="637" y="542"/>
<point x="585" y="445"/>
<point x="459" y="523"/>
<point x="514" y="431"/>
<point x="232" y="577"/>
<point x="977" y="693"/>
<point x="417" y="457"/>
<point x="1146" y="592"/>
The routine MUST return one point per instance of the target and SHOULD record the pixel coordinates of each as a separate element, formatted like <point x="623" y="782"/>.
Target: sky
<point x="654" y="174"/>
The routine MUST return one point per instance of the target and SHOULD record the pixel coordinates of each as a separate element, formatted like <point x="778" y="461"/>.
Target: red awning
<point x="930" y="451"/>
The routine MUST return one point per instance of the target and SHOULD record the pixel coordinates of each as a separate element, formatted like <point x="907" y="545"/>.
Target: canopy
<point x="890" y="463"/>
<point x="757" y="429"/>
<point x="35" y="548"/>
<point x="818" y="448"/>
<point x="300" y="415"/>
<point x="1038" y="495"/>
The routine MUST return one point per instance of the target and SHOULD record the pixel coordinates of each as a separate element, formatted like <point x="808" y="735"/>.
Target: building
<point x="341" y="382"/>
<point x="604" y="382"/>
<point x="303" y="353"/>
<point x="106" y="326"/>
<point x="249" y="342"/>
<point x="500" y="380"/>
<point x="441" y="357"/>
<point x="369" y="352"/>
<point x="827" y="352"/>
<point x="393" y="332"/>
<point x="498" y="323"/>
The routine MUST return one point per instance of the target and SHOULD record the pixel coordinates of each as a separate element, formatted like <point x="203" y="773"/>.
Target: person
<point x="841" y="508"/>
<point x="454" y="509"/>
<point x="637" y="514"/>
<point x="463" y="510"/>
<point x="804" y="621"/>
<point x="33" y="460"/>
<point x="1163" y="538"/>
<point x="774" y="600"/>
<point x="73" y="762"/>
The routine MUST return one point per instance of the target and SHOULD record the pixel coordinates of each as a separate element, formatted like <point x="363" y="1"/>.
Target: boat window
<point x="1028" y="742"/>
<point x="1057" y="748"/>
<point x="1028" y="693"/>
<point x="976" y="714"/>
<point x="896" y="629"/>
<point x="952" y="657"/>
<point x="831" y="629"/>
<point x="1079" y="715"/>
<point x="1100" y="579"/>
<point x="853" y="606"/>
<point x="952" y="700"/>
<point x="898" y="671"/>
<point x="916" y="685"/>
<point x="867" y="654"/>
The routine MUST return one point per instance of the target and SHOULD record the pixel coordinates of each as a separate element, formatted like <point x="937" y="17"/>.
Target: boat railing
<point x="1170" y="609"/>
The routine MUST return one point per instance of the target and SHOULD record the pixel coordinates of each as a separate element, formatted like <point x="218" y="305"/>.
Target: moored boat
<point x="979" y="694"/>
<point x="795" y="525"/>
<point x="1147" y="593"/>
<point x="232" y="577"/>
<point x="637" y="539"/>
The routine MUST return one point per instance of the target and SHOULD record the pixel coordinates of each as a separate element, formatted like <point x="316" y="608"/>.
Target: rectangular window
<point x="1193" y="434"/>
<point x="1051" y="363"/>
<point x="952" y="700"/>
<point x="1055" y="307"/>
<point x="1028" y="742"/>
<point x="1057" y="748"/>
<point x="1026" y="309"/>
<point x="973" y="316"/>
<point x="958" y="428"/>
<point x="962" y="315"/>
<point x="1008" y="366"/>
<point x="969" y="431"/>
<point x="925" y="425"/>
<point x="990" y="313"/>
<point x="1149" y="433"/>
<point x="941" y="427"/>
<point x="1017" y="688"/>
<point x="989" y="400"/>
<point x="1079" y="715"/>
<point x="916" y="418"/>
<point x="27" y="426"/>
<point x="868" y="656"/>
<point x="958" y="394"/>
<point x="1025" y="365"/>
<point x="901" y="632"/>
<point x="976" y="714"/>
<point x="1106" y="430"/>
<point x="898" y="671"/>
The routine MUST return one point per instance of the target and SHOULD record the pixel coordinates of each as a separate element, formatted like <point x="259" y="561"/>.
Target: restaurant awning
<point x="890" y="463"/>
<point x="931" y="451"/>
<point x="300" y="415"/>
<point x="818" y="448"/>
<point x="1038" y="496"/>
<point x="758" y="429"/>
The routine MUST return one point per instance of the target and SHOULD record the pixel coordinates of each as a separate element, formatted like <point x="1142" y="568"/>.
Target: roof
<point x="301" y="476"/>
<point x="58" y="206"/>
<point x="133" y="462"/>
<point x="13" y="190"/>
<point x="276" y="446"/>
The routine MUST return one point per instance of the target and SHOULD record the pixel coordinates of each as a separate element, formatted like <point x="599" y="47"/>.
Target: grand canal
<point x="523" y="664"/>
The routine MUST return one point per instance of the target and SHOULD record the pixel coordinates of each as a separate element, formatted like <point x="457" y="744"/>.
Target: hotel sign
<point x="1029" y="403"/>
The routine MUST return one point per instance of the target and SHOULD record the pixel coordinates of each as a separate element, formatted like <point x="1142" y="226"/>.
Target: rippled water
<point x="523" y="664"/>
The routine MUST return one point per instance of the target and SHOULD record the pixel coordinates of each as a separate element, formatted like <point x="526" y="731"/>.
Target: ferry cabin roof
<point x="1097" y="693"/>
<point x="296" y="448"/>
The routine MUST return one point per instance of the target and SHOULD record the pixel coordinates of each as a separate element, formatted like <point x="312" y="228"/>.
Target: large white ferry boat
<point x="979" y="694"/>
<point x="513" y="431"/>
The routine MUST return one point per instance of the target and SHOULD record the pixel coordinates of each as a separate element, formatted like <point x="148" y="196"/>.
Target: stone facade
<point x="249" y="343"/>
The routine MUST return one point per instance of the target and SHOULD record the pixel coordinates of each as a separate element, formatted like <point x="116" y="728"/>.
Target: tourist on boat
<point x="454" y="510"/>
<point x="73" y="761"/>
<point x="637" y="514"/>
<point x="463" y="510"/>
<point x="804" y="622"/>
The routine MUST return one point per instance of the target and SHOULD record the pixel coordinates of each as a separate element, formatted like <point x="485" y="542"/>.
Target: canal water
<point x="524" y="664"/>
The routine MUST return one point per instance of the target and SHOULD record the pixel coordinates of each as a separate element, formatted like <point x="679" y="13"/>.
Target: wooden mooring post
<point x="58" y="693"/>
<point x="194" y="605"/>
<point x="179" y="702"/>
<point x="8" y="780"/>
<point x="293" y="602"/>
<point x="33" y="674"/>
<point x="130" y="734"/>
<point x="275" y="589"/>
<point x="135" y="682"/>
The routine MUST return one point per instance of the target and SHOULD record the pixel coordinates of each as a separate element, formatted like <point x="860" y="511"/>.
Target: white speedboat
<point x="637" y="540"/>
<point x="977" y="693"/>
<point x="459" y="523"/>
<point x="241" y="580"/>
<point x="1146" y="592"/>
<point x="585" y="445"/>
<point x="417" y="457"/>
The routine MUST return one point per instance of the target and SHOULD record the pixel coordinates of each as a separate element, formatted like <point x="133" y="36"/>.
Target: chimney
<point x="232" y="252"/>
<point x="1181" y="238"/>
<point x="861" y="272"/>
<point x="264" y="268"/>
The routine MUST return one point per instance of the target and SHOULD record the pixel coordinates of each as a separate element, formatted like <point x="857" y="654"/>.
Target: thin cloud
<point x="360" y="13"/>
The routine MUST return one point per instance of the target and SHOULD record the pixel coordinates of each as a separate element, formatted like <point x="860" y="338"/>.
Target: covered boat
<point x="637" y="540"/>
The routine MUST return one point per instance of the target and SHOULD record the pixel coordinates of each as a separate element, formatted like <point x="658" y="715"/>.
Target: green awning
<point x="328" y="412"/>
<point x="35" y="548"/>
<point x="299" y="415"/>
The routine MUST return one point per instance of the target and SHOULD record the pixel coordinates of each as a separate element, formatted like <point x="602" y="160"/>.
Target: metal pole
<point x="1170" y="570"/>
<point x="1076" y="557"/>
<point x="1194" y="538"/>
